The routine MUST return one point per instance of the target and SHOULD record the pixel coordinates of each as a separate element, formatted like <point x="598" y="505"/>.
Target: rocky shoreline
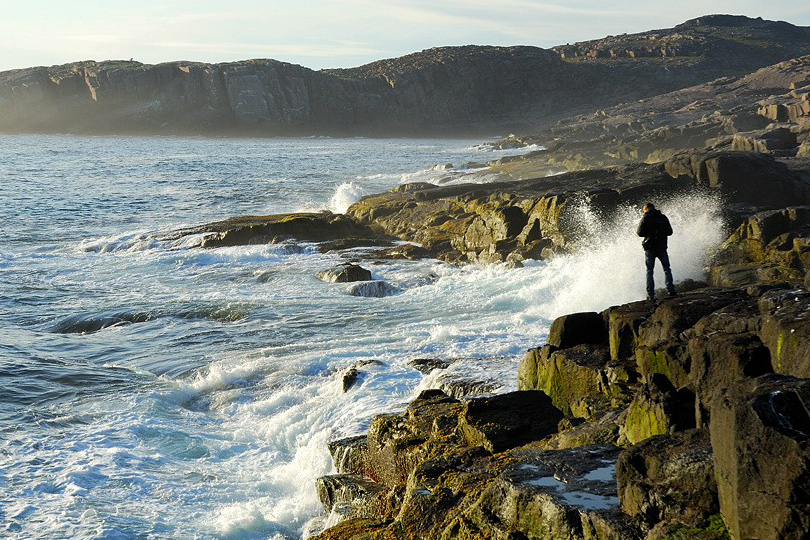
<point x="682" y="418"/>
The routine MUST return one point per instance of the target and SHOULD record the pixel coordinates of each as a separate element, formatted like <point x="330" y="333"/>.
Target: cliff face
<point x="443" y="90"/>
<point x="460" y="87"/>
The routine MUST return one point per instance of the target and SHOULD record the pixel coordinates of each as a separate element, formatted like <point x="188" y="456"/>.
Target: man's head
<point x="648" y="206"/>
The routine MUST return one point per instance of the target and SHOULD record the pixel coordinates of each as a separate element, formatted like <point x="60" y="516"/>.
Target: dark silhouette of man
<point x="655" y="229"/>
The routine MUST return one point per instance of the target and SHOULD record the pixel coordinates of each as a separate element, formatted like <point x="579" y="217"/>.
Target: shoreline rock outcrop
<point x="689" y="426"/>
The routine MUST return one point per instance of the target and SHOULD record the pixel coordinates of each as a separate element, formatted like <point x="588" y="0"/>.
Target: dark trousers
<point x="662" y="256"/>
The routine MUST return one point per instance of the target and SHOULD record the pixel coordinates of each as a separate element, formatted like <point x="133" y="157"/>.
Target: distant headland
<point x="442" y="91"/>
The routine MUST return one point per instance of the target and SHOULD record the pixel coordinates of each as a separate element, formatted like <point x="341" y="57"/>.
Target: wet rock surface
<point x="276" y="228"/>
<point x="345" y="273"/>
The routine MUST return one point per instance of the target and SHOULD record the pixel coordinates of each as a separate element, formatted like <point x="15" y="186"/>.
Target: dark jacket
<point x="655" y="228"/>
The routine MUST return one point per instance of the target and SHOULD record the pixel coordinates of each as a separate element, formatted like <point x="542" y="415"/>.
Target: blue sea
<point x="150" y="389"/>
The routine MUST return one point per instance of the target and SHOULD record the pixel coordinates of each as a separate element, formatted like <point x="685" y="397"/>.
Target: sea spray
<point x="345" y="195"/>
<point x="607" y="266"/>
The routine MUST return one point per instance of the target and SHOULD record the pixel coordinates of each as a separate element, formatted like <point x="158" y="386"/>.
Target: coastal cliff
<point x="449" y="90"/>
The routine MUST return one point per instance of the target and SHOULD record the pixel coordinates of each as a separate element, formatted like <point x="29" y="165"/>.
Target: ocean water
<point x="153" y="390"/>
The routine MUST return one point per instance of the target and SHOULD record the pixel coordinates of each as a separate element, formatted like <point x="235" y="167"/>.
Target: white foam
<point x="608" y="266"/>
<point x="126" y="242"/>
<point x="345" y="195"/>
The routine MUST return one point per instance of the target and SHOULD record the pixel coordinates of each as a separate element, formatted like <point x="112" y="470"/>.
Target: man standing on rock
<point x="655" y="228"/>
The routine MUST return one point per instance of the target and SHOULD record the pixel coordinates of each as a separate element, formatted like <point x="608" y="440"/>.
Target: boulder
<point x="669" y="478"/>
<point x="470" y="376"/>
<point x="575" y="379"/>
<point x="577" y="329"/>
<point x="374" y="289"/>
<point x="677" y="314"/>
<point x="353" y="491"/>
<point x="350" y="377"/>
<point x="344" y="273"/>
<point x="669" y="359"/>
<point x="349" y="454"/>
<point x="439" y="487"/>
<point x="604" y="429"/>
<point x="765" y="141"/>
<point x="741" y="317"/>
<point x="623" y="324"/>
<point x="760" y="436"/>
<point x="721" y="359"/>
<point x="426" y="365"/>
<point x="508" y="420"/>
<point x="397" y="443"/>
<point x="769" y="246"/>
<point x="658" y="409"/>
<point x="748" y="178"/>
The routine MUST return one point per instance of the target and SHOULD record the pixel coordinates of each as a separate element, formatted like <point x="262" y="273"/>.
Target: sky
<point x="329" y="33"/>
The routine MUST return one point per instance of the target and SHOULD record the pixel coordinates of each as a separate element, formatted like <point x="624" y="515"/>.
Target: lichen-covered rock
<point x="575" y="379"/>
<point x="397" y="443"/>
<point x="760" y="435"/>
<point x="658" y="409"/>
<point x="786" y="330"/>
<point x="669" y="478"/>
<point x="769" y="246"/>
<point x="439" y="486"/>
<point x="507" y="420"/>
<point x="670" y="359"/>
<point x="623" y="327"/>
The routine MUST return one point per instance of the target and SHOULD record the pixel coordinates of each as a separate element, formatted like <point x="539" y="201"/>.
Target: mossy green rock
<point x="658" y="409"/>
<point x="575" y="378"/>
<point x="623" y="327"/>
<point x="786" y="330"/>
<point x="555" y="494"/>
<point x="669" y="359"/>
